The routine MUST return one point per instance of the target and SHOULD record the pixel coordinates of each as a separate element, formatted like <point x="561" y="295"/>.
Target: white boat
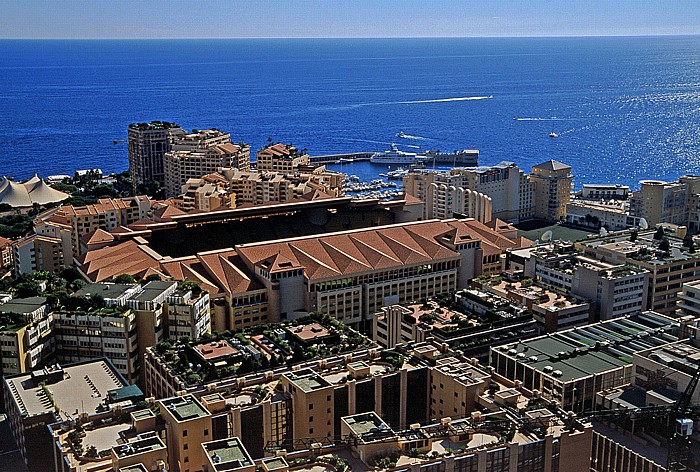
<point x="394" y="156"/>
<point x="401" y="134"/>
<point x="553" y="135"/>
<point x="397" y="174"/>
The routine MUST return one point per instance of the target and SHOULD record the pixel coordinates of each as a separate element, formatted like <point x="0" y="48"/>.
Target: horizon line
<point x="175" y="38"/>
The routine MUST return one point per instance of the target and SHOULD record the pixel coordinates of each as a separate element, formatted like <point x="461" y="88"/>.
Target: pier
<point x="341" y="158"/>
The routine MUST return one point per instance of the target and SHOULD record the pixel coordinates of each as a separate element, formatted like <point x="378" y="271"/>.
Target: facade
<point x="571" y="366"/>
<point x="6" y="254"/>
<point x="201" y="153"/>
<point x="74" y="229"/>
<point x="500" y="191"/>
<point x="689" y="299"/>
<point x="551" y="184"/>
<point x="605" y="192"/>
<point x="38" y="253"/>
<point x="26" y="340"/>
<point x="148" y="143"/>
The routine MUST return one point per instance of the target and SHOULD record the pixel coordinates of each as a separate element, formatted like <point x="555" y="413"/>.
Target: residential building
<point x="26" y="340"/>
<point x="6" y="263"/>
<point x="688" y="300"/>
<point x="35" y="400"/>
<point x="68" y="225"/>
<point x="571" y="366"/>
<point x="613" y="289"/>
<point x="500" y="191"/>
<point x="188" y="427"/>
<point x="227" y="455"/>
<point x="667" y="270"/>
<point x="660" y="202"/>
<point x="187" y="313"/>
<point x="102" y="332"/>
<point x="37" y="253"/>
<point x="201" y="153"/>
<point x="283" y="158"/>
<point x="148" y="143"/>
<point x="551" y="184"/>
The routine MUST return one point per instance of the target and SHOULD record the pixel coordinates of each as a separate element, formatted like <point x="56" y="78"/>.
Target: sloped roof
<point x="355" y="252"/>
<point x="98" y="236"/>
<point x="128" y="257"/>
<point x="552" y="165"/>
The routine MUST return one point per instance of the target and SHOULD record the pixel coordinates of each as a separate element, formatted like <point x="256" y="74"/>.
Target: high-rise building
<point x="197" y="154"/>
<point x="551" y="182"/>
<point x="148" y="142"/>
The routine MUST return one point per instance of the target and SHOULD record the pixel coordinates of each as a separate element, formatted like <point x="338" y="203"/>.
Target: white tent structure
<point x="26" y="194"/>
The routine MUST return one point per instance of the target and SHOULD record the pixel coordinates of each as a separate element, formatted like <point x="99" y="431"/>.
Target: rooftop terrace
<point x="141" y="446"/>
<point x="307" y="380"/>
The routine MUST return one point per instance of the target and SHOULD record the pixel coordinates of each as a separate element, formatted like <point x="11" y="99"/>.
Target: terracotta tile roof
<point x="98" y="236"/>
<point x="128" y="257"/>
<point x="166" y="212"/>
<point x="356" y="252"/>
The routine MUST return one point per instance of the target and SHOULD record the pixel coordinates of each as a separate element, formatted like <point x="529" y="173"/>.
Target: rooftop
<point x="106" y="290"/>
<point x="153" y="290"/>
<point x="309" y="331"/>
<point x="23" y="306"/>
<point x="134" y="468"/>
<point x="227" y="454"/>
<point x="593" y="349"/>
<point x="307" y="380"/>
<point x="72" y="389"/>
<point x="184" y="408"/>
<point x="215" y="350"/>
<point x="141" y="446"/>
<point x="366" y="424"/>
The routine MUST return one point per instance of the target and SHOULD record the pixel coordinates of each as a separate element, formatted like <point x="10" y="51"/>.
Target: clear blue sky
<point x="343" y="18"/>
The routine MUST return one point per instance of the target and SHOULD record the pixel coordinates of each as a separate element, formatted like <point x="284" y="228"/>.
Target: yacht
<point x="401" y="134"/>
<point x="553" y="135"/>
<point x="394" y="156"/>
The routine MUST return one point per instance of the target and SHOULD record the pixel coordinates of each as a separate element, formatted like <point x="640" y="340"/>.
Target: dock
<point x="341" y="158"/>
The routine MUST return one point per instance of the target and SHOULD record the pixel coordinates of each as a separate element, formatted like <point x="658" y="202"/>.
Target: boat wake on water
<point x="554" y="118"/>
<point x="403" y="135"/>
<point x="441" y="100"/>
<point x="413" y="146"/>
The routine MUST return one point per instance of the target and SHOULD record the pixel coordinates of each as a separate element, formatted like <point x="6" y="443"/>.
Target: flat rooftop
<point x="82" y="388"/>
<point x="134" y="468"/>
<point x="141" y="446"/>
<point x="275" y="463"/>
<point x="366" y="423"/>
<point x="593" y="349"/>
<point x="307" y="380"/>
<point x="184" y="408"/>
<point x="23" y="305"/>
<point x="227" y="454"/>
<point x="153" y="290"/>
<point x="309" y="331"/>
<point x="215" y="350"/>
<point x="106" y="290"/>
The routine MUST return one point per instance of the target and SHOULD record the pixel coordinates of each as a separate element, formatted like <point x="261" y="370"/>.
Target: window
<point x="311" y="418"/>
<point x="206" y="432"/>
<point x="184" y="433"/>
<point x="185" y="447"/>
<point x="311" y="406"/>
<point x="311" y="431"/>
<point x="187" y="459"/>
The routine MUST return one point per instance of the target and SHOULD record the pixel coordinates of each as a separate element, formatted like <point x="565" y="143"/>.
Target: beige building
<point x="551" y="182"/>
<point x="500" y="191"/>
<point x="660" y="202"/>
<point x="38" y="253"/>
<point x="188" y="426"/>
<point x="148" y="142"/>
<point x="201" y="153"/>
<point x="283" y="158"/>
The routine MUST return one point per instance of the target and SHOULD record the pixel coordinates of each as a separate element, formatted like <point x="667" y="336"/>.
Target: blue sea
<point x="624" y="109"/>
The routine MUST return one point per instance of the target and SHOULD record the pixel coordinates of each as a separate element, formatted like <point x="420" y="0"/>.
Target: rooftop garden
<point x="257" y="348"/>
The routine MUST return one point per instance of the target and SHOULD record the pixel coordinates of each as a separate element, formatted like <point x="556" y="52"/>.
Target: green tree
<point x="124" y="279"/>
<point x="659" y="235"/>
